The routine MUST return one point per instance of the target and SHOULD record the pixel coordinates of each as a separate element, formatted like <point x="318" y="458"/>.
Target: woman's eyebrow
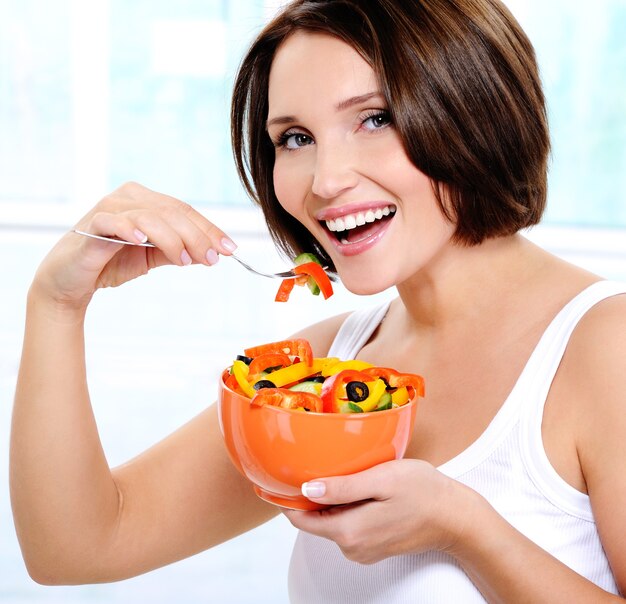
<point x="356" y="100"/>
<point x="346" y="104"/>
<point x="283" y="119"/>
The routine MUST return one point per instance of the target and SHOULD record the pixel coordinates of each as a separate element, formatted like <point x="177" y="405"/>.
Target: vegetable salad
<point x="285" y="374"/>
<point x="310" y="273"/>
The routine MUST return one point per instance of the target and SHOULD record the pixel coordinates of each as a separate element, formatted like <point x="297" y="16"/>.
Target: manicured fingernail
<point x="185" y="258"/>
<point x="311" y="490"/>
<point x="141" y="237"/>
<point x="228" y="244"/>
<point x="212" y="257"/>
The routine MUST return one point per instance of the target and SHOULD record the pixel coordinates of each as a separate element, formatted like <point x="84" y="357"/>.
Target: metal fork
<point x="282" y="275"/>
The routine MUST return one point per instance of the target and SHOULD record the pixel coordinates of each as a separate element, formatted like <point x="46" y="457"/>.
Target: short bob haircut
<point x="462" y="85"/>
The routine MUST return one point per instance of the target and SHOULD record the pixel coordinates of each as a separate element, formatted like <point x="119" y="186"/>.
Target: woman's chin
<point x="362" y="286"/>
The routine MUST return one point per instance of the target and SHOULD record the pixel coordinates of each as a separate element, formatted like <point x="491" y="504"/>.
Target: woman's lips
<point x="355" y="232"/>
<point x="352" y="220"/>
<point x="331" y="213"/>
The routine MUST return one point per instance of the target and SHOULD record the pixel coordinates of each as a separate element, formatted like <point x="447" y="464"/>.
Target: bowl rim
<point x="337" y="416"/>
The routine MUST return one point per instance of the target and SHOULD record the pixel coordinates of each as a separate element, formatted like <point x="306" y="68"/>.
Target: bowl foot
<point x="297" y="502"/>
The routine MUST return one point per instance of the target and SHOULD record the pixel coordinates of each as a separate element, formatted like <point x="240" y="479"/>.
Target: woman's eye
<point x="378" y="120"/>
<point x="294" y="140"/>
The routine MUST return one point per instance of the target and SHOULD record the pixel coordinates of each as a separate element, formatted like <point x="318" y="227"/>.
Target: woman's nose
<point x="334" y="173"/>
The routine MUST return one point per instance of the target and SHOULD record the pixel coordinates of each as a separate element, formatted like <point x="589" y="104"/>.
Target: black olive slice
<point x="357" y="391"/>
<point x="264" y="384"/>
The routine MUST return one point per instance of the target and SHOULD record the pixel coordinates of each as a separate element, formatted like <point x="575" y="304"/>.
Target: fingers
<point x="341" y="490"/>
<point x="349" y="526"/>
<point x="347" y="495"/>
<point x="181" y="235"/>
<point x="390" y="509"/>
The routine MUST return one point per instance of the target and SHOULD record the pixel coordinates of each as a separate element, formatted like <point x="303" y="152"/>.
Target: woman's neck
<point x="466" y="283"/>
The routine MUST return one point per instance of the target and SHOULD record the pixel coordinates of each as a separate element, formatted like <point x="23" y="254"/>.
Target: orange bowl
<point x="277" y="449"/>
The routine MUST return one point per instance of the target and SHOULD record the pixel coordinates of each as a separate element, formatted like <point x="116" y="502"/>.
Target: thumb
<point x="339" y="490"/>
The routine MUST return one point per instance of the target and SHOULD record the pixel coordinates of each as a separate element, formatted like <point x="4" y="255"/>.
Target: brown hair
<point x="464" y="94"/>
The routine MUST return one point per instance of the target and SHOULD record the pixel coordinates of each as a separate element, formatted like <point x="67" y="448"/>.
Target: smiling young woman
<point x="404" y="143"/>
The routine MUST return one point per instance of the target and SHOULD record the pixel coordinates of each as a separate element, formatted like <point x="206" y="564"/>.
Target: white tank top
<point x="507" y="464"/>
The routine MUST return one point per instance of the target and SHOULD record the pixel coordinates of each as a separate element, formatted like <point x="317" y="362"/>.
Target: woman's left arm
<point x="383" y="516"/>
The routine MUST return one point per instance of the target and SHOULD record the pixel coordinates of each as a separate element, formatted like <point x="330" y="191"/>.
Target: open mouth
<point x="359" y="226"/>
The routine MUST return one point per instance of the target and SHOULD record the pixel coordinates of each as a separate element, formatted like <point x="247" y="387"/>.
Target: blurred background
<point x="93" y="94"/>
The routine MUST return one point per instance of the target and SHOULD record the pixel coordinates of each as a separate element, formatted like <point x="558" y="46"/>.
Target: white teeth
<point x="351" y="221"/>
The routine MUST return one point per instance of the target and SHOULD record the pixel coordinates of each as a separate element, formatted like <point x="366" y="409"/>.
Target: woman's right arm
<point x="77" y="520"/>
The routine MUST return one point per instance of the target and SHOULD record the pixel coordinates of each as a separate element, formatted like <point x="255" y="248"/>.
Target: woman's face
<point x="341" y="168"/>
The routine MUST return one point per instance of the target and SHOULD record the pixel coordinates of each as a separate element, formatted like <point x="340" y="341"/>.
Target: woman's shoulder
<point x="601" y="332"/>
<point x="597" y="345"/>
<point x="584" y="422"/>
<point x="594" y="364"/>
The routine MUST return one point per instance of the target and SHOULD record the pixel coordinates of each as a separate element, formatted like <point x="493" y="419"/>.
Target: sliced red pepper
<point x="288" y="399"/>
<point x="296" y="347"/>
<point x="284" y="290"/>
<point x="317" y="272"/>
<point x="231" y="382"/>
<point x="396" y="379"/>
<point x="333" y="389"/>
<point x="269" y="359"/>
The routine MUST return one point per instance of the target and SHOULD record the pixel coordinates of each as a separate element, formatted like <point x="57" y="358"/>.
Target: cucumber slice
<point x="308" y="257"/>
<point x="307" y="386"/>
<point x="384" y="402"/>
<point x="350" y="407"/>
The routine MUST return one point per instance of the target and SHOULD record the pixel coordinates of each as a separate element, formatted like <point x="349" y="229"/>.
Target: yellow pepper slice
<point x="341" y="365"/>
<point x="400" y="396"/>
<point x="328" y="362"/>
<point x="376" y="389"/>
<point x="295" y="372"/>
<point x="240" y="371"/>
